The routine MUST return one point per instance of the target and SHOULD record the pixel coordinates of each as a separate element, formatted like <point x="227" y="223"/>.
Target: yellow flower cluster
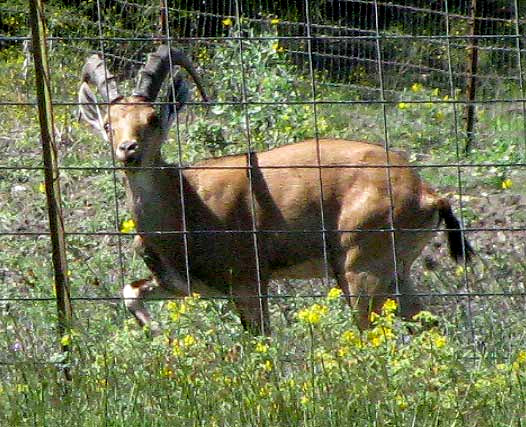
<point x="65" y="340"/>
<point x="128" y="226"/>
<point x="277" y="48"/>
<point x="176" y="309"/>
<point x="506" y="184"/>
<point x="179" y="346"/>
<point x="313" y="314"/>
<point x="334" y="294"/>
<point x="261" y="348"/>
<point x="520" y="361"/>
<point x="380" y="335"/>
<point x="390" y="306"/>
<point x="327" y="360"/>
<point x="351" y="338"/>
<point x="266" y="366"/>
<point x="167" y="372"/>
<point x="417" y="87"/>
<point x="179" y="308"/>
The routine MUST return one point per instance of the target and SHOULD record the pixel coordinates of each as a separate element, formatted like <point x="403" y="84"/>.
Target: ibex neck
<point x="152" y="193"/>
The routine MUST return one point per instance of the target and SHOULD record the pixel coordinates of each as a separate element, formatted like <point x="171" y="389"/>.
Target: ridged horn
<point x="152" y="75"/>
<point x="94" y="73"/>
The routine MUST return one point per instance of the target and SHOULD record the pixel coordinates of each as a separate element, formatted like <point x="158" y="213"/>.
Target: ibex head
<point x="132" y="124"/>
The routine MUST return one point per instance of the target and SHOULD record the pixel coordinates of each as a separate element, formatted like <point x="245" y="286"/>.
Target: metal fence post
<point x="51" y="172"/>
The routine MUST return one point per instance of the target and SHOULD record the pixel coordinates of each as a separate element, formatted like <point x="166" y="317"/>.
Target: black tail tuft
<point x="459" y="247"/>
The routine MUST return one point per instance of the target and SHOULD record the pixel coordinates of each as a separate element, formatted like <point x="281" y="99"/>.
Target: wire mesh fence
<point x="390" y="72"/>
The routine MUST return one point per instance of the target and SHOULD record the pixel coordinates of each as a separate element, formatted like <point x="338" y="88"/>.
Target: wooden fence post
<point x="51" y="173"/>
<point x="471" y="86"/>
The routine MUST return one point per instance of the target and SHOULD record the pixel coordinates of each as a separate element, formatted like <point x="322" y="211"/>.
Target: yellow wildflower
<point x="267" y="366"/>
<point x="403" y="106"/>
<point x="425" y="316"/>
<point x="401" y="401"/>
<point x="277" y="48"/>
<point x="189" y="341"/>
<point x="176" y="349"/>
<point x="264" y="391"/>
<point x="440" y="115"/>
<point x="275" y="21"/>
<point x="65" y="340"/>
<point x="520" y="360"/>
<point x="342" y="351"/>
<point x="128" y="226"/>
<point x="176" y="310"/>
<point x="261" y="348"/>
<point x="417" y="87"/>
<point x="350" y="338"/>
<point x="446" y="98"/>
<point x="439" y="340"/>
<point x="22" y="388"/>
<point x="167" y="372"/>
<point x="506" y="184"/>
<point x="389" y="306"/>
<point x="334" y="294"/>
<point x="435" y="92"/>
<point x="304" y="400"/>
<point x="42" y="187"/>
<point x="313" y="314"/>
<point x="227" y="22"/>
<point x="373" y="317"/>
<point x="459" y="271"/>
<point x="375" y="340"/>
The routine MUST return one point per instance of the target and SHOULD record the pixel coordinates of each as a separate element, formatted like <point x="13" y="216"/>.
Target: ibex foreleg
<point x="166" y="282"/>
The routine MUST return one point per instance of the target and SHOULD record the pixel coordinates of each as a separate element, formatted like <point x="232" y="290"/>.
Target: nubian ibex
<point x="250" y="218"/>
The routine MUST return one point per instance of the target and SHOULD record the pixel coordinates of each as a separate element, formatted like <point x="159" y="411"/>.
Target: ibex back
<point x="289" y="197"/>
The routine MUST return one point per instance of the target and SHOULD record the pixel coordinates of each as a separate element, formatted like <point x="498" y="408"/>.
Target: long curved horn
<point x="157" y="67"/>
<point x="94" y="73"/>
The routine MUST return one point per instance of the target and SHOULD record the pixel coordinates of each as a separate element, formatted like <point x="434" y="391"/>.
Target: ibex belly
<point x="309" y="269"/>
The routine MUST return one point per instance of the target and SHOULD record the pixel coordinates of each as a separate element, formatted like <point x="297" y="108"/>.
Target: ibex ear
<point x="178" y="95"/>
<point x="89" y="110"/>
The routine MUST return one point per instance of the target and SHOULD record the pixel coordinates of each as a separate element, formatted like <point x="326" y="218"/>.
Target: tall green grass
<point x="204" y="370"/>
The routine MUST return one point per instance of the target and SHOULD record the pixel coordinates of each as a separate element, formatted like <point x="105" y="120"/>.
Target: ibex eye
<point x="107" y="127"/>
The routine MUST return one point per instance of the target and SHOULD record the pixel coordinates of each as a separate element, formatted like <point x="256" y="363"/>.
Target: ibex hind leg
<point x="365" y="283"/>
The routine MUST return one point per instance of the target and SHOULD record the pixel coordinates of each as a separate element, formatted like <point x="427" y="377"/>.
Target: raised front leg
<point x="166" y="282"/>
<point x="160" y="285"/>
<point x="137" y="292"/>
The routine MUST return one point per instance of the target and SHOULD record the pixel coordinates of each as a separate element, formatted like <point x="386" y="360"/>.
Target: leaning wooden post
<point x="51" y="172"/>
<point x="163" y="19"/>
<point x="471" y="86"/>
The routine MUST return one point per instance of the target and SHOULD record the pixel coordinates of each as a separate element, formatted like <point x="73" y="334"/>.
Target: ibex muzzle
<point x="219" y="206"/>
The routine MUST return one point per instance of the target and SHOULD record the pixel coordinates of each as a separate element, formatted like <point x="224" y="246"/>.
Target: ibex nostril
<point x="128" y="146"/>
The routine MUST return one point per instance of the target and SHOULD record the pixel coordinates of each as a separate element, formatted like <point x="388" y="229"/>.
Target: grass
<point x="317" y="370"/>
<point x="203" y="370"/>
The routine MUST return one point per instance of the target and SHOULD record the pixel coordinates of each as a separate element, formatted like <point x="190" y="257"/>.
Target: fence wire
<point x="366" y="70"/>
